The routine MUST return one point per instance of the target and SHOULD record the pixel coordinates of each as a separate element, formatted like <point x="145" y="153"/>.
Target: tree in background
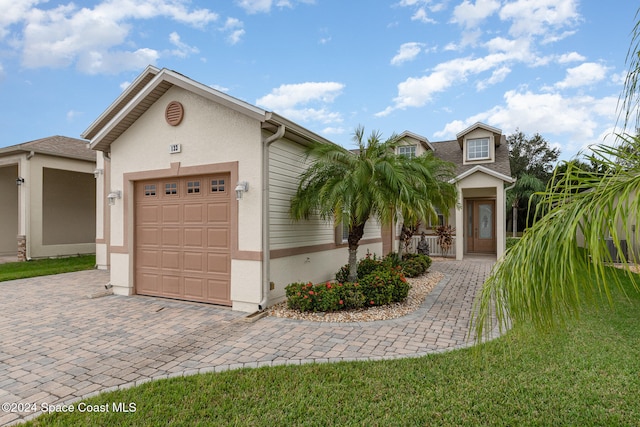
<point x="532" y="161"/>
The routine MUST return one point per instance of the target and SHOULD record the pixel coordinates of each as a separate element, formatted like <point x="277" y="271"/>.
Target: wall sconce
<point x="241" y="187"/>
<point x="19" y="180"/>
<point x="97" y="173"/>
<point x="111" y="197"/>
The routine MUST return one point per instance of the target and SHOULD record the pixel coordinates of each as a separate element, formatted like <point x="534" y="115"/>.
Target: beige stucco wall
<point x="8" y="210"/>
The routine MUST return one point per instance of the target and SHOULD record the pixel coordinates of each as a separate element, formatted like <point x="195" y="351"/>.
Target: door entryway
<point x="481" y="226"/>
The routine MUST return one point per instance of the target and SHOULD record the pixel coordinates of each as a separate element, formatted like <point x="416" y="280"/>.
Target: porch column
<point x="460" y="226"/>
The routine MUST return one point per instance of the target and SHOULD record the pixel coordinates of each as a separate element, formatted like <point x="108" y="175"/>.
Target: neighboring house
<point x="194" y="199"/>
<point x="48" y="198"/>
<point x="481" y="156"/>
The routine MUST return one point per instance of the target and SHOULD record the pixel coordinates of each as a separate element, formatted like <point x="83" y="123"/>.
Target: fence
<point x="434" y="247"/>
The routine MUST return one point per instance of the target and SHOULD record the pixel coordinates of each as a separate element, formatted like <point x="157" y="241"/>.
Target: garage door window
<point x="171" y="188"/>
<point x="149" y="190"/>
<point x="193" y="187"/>
<point x="217" y="185"/>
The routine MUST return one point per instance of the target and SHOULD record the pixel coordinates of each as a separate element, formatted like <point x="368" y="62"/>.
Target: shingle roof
<point x="450" y="151"/>
<point x="60" y="146"/>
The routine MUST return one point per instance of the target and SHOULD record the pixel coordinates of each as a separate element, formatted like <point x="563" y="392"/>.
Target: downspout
<point x="513" y="219"/>
<point x="266" y="260"/>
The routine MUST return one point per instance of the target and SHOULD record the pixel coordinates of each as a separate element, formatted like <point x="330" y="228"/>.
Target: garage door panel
<point x="148" y="236"/>
<point x="170" y="236"/>
<point x="148" y="258"/>
<point x="171" y="286"/>
<point x="194" y="288"/>
<point x="218" y="263"/>
<point x="194" y="213"/>
<point x="218" y="238"/>
<point x="183" y="239"/>
<point x="194" y="262"/>
<point x="193" y="237"/>
<point x="147" y="214"/>
<point x="218" y="212"/>
<point x="170" y="260"/>
<point x="217" y="290"/>
<point x="171" y="214"/>
<point x="148" y="283"/>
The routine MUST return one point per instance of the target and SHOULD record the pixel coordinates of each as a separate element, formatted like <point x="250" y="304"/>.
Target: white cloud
<point x="334" y="131"/>
<point x="292" y="100"/>
<point x="497" y="76"/>
<point x="72" y="114"/>
<point x="421" y="15"/>
<point x="183" y="50"/>
<point x="539" y="17"/>
<point x="583" y="75"/>
<point x="264" y="6"/>
<point x="418" y="91"/>
<point x="570" y="57"/>
<point x="407" y="52"/>
<point x="577" y="118"/>
<point x="67" y="34"/>
<point x="234" y="27"/>
<point x="469" y="14"/>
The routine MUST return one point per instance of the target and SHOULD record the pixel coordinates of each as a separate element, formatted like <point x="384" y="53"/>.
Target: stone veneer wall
<point x="22" y="248"/>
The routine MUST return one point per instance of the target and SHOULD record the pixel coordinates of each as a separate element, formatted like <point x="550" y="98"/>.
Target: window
<point x="149" y="189"/>
<point x="193" y="187"/>
<point x="440" y="220"/>
<point x="171" y="188"/>
<point x="478" y="149"/>
<point x="217" y="185"/>
<point x="345" y="232"/>
<point x="408" y="151"/>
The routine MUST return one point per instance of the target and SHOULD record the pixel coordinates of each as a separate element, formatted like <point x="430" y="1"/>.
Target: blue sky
<point x="432" y="67"/>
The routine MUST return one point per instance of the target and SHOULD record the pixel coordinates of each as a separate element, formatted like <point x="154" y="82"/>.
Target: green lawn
<point x="44" y="267"/>
<point x="585" y="375"/>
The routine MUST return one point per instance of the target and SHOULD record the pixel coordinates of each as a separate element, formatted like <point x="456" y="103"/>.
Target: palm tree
<point x="523" y="194"/>
<point x="541" y="279"/>
<point x="341" y="186"/>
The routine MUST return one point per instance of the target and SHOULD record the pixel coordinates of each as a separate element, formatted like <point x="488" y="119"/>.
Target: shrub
<point x="365" y="266"/>
<point x="383" y="285"/>
<point x="412" y="265"/>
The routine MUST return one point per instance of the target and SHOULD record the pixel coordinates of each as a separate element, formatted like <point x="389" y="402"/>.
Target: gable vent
<point x="174" y="113"/>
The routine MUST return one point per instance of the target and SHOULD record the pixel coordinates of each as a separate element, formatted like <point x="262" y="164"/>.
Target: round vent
<point x="174" y="113"/>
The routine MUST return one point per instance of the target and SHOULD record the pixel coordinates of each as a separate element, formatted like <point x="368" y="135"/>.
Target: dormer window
<point x="478" y="149"/>
<point x="409" y="151"/>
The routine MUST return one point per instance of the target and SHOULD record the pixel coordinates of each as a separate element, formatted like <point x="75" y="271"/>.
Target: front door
<point x="481" y="226"/>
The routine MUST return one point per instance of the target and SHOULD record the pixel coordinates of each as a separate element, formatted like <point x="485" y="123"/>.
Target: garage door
<point x="182" y="238"/>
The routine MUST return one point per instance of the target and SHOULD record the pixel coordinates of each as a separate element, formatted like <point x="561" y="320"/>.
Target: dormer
<point x="413" y="145"/>
<point x="478" y="143"/>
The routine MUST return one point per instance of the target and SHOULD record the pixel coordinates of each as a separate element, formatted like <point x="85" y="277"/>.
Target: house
<point x="481" y="156"/>
<point x="194" y="200"/>
<point x="48" y="198"/>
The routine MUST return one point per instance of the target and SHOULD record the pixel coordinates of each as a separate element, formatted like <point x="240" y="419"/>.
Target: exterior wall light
<point x="111" y="197"/>
<point x="97" y="173"/>
<point x="19" y="180"/>
<point x="241" y="187"/>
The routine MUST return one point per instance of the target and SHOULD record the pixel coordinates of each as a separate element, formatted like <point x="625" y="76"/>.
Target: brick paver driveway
<point x="58" y="345"/>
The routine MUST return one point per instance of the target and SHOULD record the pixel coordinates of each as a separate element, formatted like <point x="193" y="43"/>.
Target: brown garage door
<point x="182" y="238"/>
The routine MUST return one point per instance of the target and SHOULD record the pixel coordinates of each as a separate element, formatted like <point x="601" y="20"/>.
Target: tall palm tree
<point x="341" y="186"/>
<point x="541" y="279"/>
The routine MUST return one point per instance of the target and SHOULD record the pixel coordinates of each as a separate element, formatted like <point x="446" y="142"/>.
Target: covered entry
<point x="182" y="238"/>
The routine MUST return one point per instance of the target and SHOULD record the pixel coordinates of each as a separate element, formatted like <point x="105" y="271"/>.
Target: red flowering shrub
<point x="381" y="286"/>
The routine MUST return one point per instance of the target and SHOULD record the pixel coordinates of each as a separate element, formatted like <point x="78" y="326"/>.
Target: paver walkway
<point x="57" y="345"/>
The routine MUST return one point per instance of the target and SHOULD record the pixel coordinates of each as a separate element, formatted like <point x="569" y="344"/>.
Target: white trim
<point x="475" y="126"/>
<point x="420" y="138"/>
<point x="483" y="170"/>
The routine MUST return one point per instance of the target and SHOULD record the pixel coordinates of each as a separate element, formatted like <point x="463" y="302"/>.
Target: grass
<point x="586" y="374"/>
<point x="44" y="267"/>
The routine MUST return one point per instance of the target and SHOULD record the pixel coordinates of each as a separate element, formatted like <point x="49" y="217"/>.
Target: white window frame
<point x="478" y="150"/>
<point x="408" y="151"/>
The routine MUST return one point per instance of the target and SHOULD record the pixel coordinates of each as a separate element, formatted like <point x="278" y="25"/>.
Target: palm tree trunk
<point x="355" y="234"/>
